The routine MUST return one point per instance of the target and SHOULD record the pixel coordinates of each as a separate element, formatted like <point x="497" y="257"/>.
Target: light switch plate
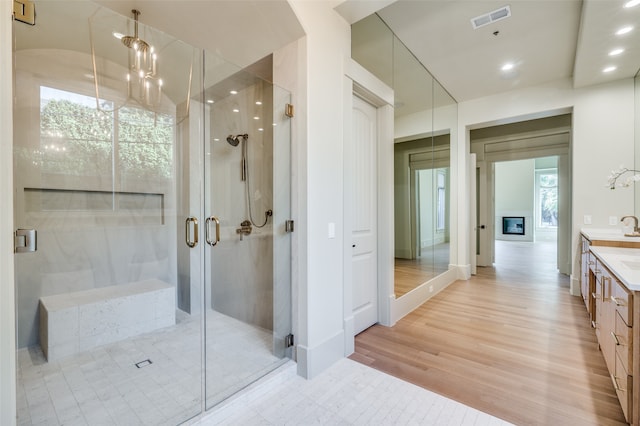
<point x="613" y="220"/>
<point x="587" y="219"/>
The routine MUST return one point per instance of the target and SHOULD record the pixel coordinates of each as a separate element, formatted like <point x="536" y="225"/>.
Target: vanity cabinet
<point x="616" y="311"/>
<point x="588" y="263"/>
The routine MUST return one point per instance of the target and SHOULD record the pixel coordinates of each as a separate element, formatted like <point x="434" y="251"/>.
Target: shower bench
<point x="75" y="322"/>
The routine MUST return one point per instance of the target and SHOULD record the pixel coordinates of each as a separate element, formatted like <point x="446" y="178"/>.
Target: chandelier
<point x="126" y="56"/>
<point x="143" y="84"/>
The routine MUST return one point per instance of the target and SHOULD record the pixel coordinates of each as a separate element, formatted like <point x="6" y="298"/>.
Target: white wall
<point x="514" y="196"/>
<point x="327" y="43"/>
<point x="602" y="139"/>
<point x="7" y="309"/>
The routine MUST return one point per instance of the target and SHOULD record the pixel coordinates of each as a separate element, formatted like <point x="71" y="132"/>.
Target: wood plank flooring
<point x="510" y="342"/>
<point x="410" y="273"/>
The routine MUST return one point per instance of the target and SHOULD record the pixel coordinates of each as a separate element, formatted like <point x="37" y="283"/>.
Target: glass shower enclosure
<point x="151" y="194"/>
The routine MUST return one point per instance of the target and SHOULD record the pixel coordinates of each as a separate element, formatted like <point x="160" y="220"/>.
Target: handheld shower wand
<point x="234" y="141"/>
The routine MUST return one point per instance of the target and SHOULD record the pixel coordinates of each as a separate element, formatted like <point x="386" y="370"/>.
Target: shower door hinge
<point x="288" y="341"/>
<point x="25" y="241"/>
<point x="288" y="225"/>
<point x="288" y="110"/>
<point x="24" y="11"/>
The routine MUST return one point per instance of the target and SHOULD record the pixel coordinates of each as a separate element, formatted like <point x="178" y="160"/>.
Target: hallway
<point x="511" y="342"/>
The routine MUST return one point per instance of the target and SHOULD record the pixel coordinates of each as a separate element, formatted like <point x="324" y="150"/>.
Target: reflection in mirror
<point x="424" y="119"/>
<point x="637" y="142"/>
<point x="421" y="211"/>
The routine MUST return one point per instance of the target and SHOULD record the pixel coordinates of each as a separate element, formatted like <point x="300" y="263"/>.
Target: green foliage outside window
<point x="79" y="140"/>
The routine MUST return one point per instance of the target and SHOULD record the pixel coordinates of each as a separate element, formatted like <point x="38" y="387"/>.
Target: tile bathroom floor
<point x="347" y="393"/>
<point x="105" y="387"/>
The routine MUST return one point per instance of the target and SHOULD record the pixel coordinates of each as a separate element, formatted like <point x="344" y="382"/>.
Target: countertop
<point x="623" y="262"/>
<point x="604" y="234"/>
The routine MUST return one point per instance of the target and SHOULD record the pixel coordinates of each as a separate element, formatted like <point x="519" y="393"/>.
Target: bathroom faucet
<point x="245" y="228"/>
<point x="636" y="231"/>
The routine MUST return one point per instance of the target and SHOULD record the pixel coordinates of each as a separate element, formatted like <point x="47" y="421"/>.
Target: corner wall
<point x="319" y="136"/>
<point x="7" y="296"/>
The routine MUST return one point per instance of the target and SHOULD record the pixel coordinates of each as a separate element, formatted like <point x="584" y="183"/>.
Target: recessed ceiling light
<point x="236" y="110"/>
<point x="233" y="92"/>
<point x="256" y="118"/>
<point x="631" y="3"/>
<point x="624" y="30"/>
<point x="216" y="139"/>
<point x="616" y="52"/>
<point x="258" y="103"/>
<point x="610" y="69"/>
<point x="260" y="129"/>
<point x="210" y="101"/>
<point x="507" y="67"/>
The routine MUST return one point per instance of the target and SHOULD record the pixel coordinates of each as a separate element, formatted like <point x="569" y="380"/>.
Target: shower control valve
<point x="245" y="229"/>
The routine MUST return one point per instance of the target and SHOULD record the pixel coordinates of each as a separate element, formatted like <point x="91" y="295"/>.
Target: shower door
<point x="156" y="207"/>
<point x="109" y="322"/>
<point x="248" y="250"/>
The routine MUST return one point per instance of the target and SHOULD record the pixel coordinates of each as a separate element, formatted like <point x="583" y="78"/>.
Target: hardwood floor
<point x="511" y="342"/>
<point x="410" y="273"/>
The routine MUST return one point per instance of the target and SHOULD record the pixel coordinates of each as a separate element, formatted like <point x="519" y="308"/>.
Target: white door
<point x="364" y="217"/>
<point x="473" y="213"/>
<point x="484" y="198"/>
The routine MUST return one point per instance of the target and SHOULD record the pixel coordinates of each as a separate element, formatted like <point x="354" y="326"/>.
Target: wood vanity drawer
<point x="622" y="299"/>
<point x="623" y="384"/>
<point x="623" y="341"/>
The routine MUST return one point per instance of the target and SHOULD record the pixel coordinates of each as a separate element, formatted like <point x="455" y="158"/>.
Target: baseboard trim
<point x="416" y="297"/>
<point x="313" y="360"/>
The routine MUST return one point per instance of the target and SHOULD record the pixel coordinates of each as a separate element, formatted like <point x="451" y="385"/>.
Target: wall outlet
<point x="613" y="220"/>
<point x="587" y="219"/>
<point x="430" y="289"/>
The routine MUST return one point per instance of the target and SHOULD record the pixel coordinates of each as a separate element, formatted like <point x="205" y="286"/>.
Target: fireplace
<point x="513" y="225"/>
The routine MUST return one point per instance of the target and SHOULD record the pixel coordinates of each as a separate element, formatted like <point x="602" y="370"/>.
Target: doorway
<point x="513" y="168"/>
<point x="159" y="284"/>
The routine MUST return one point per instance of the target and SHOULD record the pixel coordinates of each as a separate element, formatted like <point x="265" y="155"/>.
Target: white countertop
<point x="604" y="234"/>
<point x="623" y="262"/>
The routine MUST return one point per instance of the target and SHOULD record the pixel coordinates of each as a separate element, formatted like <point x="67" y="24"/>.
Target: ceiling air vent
<point x="491" y="17"/>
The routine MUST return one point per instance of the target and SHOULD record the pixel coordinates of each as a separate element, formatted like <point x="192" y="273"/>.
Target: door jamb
<point x="358" y="81"/>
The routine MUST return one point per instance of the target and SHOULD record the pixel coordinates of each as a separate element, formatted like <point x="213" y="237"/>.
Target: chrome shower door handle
<point x="187" y="233"/>
<point x="207" y="226"/>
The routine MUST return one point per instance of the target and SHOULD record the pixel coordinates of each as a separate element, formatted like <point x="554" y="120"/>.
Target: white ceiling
<point x="546" y="40"/>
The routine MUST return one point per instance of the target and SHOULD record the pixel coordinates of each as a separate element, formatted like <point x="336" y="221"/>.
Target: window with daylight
<point x="441" y="201"/>
<point x="547" y="198"/>
<point x="78" y="139"/>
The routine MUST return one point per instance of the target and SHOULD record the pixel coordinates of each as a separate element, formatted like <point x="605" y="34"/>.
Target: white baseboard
<point x="416" y="297"/>
<point x="313" y="360"/>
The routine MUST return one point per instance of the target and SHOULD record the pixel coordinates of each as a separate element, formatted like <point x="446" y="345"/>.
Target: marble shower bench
<point x="75" y="322"/>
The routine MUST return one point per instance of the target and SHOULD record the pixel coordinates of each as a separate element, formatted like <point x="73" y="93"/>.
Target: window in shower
<point x="77" y="139"/>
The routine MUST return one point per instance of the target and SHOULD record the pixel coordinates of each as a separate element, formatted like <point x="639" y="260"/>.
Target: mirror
<point x="425" y="118"/>
<point x="636" y="162"/>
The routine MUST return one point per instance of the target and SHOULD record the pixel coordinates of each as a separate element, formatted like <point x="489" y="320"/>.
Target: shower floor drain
<point x="143" y="363"/>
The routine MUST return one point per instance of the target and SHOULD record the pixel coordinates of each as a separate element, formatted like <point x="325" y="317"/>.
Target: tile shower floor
<point x="105" y="387"/>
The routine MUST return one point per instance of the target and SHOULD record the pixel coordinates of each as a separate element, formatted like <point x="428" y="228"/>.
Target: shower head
<point x="235" y="140"/>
